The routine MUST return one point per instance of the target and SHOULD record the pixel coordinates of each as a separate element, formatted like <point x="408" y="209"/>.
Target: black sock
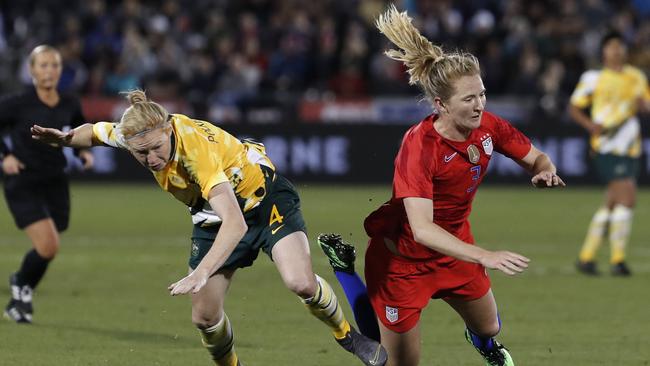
<point x="32" y="269"/>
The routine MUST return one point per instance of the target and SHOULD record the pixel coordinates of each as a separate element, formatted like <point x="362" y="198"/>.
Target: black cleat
<point x="621" y="269"/>
<point x="589" y="268"/>
<point x="370" y="352"/>
<point x="340" y="253"/>
<point x="15" y="312"/>
<point x="20" y="307"/>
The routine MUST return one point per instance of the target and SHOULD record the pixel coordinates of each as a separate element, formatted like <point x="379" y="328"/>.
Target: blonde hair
<point x="429" y="67"/>
<point x="142" y="116"/>
<point x="42" y="49"/>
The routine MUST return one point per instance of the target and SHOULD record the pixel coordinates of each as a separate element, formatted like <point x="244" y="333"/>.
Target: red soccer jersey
<point x="446" y="172"/>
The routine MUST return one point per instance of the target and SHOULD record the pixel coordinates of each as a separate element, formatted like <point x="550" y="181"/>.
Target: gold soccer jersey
<point x="613" y="97"/>
<point x="204" y="156"/>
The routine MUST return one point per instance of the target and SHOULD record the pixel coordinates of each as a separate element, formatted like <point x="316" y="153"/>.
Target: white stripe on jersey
<point x="621" y="142"/>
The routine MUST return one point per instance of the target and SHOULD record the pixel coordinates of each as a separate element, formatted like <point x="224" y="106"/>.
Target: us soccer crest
<point x="473" y="154"/>
<point x="487" y="145"/>
<point x="391" y="314"/>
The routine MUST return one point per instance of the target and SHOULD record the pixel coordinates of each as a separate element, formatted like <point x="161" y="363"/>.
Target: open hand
<point x="52" y="136"/>
<point x="507" y="262"/>
<point x="547" y="179"/>
<point x="193" y="283"/>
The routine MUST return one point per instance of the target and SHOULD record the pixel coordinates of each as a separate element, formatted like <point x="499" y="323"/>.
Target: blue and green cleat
<point x="498" y="356"/>
<point x="340" y="254"/>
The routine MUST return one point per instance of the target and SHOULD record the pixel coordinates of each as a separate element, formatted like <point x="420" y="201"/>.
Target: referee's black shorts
<point x="31" y="199"/>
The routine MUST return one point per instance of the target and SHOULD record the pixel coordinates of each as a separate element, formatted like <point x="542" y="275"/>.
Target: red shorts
<point x="400" y="288"/>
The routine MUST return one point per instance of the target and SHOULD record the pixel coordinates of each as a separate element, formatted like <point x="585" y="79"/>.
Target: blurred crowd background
<point x="222" y="57"/>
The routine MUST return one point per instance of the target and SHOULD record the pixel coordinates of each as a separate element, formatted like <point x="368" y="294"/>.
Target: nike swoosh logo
<point x="375" y="359"/>
<point x="273" y="231"/>
<point x="449" y="157"/>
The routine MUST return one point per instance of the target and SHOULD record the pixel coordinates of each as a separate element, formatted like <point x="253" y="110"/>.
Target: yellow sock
<point x="325" y="306"/>
<point x="619" y="232"/>
<point x="219" y="340"/>
<point x="595" y="235"/>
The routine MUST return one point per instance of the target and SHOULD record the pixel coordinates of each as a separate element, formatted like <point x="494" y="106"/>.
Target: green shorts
<point x="612" y="167"/>
<point x="277" y="216"/>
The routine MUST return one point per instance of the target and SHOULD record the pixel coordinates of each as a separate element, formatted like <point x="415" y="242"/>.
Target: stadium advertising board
<point x="362" y="154"/>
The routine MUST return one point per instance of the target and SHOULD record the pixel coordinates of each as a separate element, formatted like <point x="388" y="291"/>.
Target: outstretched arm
<point x="80" y="137"/>
<point x="427" y="233"/>
<point x="540" y="166"/>
<point x="233" y="227"/>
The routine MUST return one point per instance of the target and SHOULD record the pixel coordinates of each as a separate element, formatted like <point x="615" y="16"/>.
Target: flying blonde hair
<point x="142" y="116"/>
<point x="429" y="67"/>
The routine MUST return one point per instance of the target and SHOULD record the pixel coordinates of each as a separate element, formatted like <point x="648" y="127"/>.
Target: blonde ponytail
<point x="427" y="64"/>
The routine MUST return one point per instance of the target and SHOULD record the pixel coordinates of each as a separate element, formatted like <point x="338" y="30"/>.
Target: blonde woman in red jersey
<point x="421" y="245"/>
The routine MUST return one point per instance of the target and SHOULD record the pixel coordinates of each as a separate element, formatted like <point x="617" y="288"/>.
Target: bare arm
<point x="80" y="137"/>
<point x="427" y="233"/>
<point x="540" y="166"/>
<point x="233" y="227"/>
<point x="583" y="120"/>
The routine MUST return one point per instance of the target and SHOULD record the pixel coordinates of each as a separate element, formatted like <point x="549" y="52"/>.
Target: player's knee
<point x="303" y="286"/>
<point x="48" y="249"/>
<point x="204" y="320"/>
<point x="489" y="330"/>
<point x="404" y="356"/>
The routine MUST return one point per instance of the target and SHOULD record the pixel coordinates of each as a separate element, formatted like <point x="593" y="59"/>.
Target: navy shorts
<point x="277" y="216"/>
<point x="31" y="199"/>
<point x="613" y="167"/>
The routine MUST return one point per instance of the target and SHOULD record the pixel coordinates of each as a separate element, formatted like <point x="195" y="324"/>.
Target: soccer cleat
<point x="14" y="312"/>
<point x="621" y="269"/>
<point x="340" y="254"/>
<point x="589" y="268"/>
<point x="498" y="356"/>
<point x="21" y="298"/>
<point x="370" y="352"/>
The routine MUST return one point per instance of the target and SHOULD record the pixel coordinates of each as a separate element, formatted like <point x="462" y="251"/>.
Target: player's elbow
<point x="240" y="227"/>
<point x="236" y="227"/>
<point x="419" y="233"/>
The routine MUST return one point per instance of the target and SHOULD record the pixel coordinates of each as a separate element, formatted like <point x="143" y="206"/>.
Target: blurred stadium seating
<point x="249" y="63"/>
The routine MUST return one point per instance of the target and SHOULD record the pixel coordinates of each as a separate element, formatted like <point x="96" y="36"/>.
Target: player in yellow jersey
<point x="614" y="95"/>
<point x="239" y="205"/>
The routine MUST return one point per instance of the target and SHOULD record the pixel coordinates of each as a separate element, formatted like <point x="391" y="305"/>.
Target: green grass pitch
<point x="104" y="300"/>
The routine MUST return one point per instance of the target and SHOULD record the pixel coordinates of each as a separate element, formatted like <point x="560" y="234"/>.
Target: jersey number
<point x="476" y="174"/>
<point x="275" y="216"/>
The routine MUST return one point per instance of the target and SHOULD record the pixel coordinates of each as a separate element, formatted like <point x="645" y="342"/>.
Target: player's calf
<point x="219" y="340"/>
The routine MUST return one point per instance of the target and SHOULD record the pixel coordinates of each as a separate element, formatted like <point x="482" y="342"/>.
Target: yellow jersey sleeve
<point x="107" y="133"/>
<point x="583" y="93"/>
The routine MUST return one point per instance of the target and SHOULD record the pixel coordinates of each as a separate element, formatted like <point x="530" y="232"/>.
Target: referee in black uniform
<point x="35" y="185"/>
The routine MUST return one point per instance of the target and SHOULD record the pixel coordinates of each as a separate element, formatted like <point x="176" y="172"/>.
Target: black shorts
<point x="277" y="216"/>
<point x="31" y="199"/>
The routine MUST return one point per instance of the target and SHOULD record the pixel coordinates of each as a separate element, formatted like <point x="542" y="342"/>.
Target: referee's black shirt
<point x="19" y="112"/>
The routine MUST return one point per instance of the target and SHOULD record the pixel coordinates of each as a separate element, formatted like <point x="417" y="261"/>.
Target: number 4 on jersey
<point x="275" y="216"/>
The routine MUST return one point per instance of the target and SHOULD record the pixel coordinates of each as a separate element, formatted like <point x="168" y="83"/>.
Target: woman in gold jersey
<point x="614" y="95"/>
<point x="239" y="205"/>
